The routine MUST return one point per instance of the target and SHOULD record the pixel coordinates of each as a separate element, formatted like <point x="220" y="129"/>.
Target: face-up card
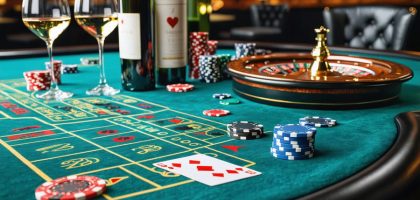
<point x="208" y="170"/>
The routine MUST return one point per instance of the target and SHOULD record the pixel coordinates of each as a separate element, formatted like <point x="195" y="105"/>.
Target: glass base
<point x="102" y="90"/>
<point x="54" y="94"/>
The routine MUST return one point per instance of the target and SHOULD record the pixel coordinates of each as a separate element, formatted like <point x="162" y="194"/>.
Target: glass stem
<point x="102" y="79"/>
<point x="54" y="85"/>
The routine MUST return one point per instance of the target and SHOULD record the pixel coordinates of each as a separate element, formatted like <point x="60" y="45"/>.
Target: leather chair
<point x="267" y="23"/>
<point x="373" y="27"/>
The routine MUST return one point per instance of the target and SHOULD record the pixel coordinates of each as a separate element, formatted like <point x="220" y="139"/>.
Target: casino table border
<point x="394" y="175"/>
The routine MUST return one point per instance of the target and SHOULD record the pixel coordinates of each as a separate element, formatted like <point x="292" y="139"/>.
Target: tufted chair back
<point x="373" y="27"/>
<point x="264" y="15"/>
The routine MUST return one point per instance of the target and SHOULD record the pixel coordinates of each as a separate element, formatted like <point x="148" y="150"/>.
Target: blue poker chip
<point x="293" y="139"/>
<point x="316" y="121"/>
<point x="281" y="142"/>
<point x="294" y="131"/>
<point x="284" y="157"/>
<point x="291" y="152"/>
<point x="293" y="146"/>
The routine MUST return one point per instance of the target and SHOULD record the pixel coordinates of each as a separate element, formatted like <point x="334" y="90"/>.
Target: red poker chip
<point x="216" y="113"/>
<point x="37" y="80"/>
<point x="71" y="188"/>
<point x="37" y="73"/>
<point x="180" y="87"/>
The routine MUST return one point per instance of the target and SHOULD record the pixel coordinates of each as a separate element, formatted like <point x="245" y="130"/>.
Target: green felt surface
<point x="361" y="137"/>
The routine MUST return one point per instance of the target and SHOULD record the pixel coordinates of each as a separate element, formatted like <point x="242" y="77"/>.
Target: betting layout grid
<point x="185" y="124"/>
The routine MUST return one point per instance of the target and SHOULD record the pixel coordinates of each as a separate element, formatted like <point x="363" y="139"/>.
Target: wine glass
<point x="99" y="19"/>
<point x="47" y="19"/>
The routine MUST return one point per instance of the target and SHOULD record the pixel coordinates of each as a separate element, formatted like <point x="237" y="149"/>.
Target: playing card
<point x="208" y="170"/>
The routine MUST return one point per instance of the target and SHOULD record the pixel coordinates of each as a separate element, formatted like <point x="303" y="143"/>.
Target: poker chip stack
<point x="57" y="69"/>
<point x="209" y="69"/>
<point x="212" y="46"/>
<point x="244" y="49"/>
<point x="37" y="80"/>
<point x="261" y="52"/>
<point x="198" y="47"/>
<point x="293" y="142"/>
<point x="245" y="130"/>
<point x="224" y="59"/>
<point x="69" y="69"/>
<point x="89" y="61"/>
<point x="221" y="96"/>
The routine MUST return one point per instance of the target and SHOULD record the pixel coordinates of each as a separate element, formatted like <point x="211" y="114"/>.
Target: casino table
<point x="373" y="153"/>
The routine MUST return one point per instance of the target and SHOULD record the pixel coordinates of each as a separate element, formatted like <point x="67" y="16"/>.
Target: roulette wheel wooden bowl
<point x="284" y="79"/>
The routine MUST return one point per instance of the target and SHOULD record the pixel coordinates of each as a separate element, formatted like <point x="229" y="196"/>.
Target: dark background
<point x="299" y="27"/>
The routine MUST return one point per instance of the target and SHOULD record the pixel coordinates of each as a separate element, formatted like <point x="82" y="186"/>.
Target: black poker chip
<point x="244" y="130"/>
<point x="222" y="96"/>
<point x="249" y="137"/>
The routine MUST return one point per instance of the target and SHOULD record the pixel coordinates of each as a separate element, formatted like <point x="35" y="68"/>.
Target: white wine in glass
<point x="98" y="18"/>
<point x="47" y="19"/>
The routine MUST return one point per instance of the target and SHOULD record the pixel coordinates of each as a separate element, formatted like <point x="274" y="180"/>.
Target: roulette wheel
<point x="319" y="80"/>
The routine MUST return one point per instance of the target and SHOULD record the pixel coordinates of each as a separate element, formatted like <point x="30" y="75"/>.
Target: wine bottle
<point x="171" y="41"/>
<point x="135" y="30"/>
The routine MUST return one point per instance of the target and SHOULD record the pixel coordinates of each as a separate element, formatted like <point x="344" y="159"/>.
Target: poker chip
<point x="317" y="121"/>
<point x="57" y="69"/>
<point x="224" y="59"/>
<point x="245" y="130"/>
<point x="245" y="127"/>
<point x="37" y="80"/>
<point x="293" y="142"/>
<point x="230" y="101"/>
<point x="285" y="157"/>
<point x="260" y="52"/>
<point x="73" y="187"/>
<point x="293" y="152"/>
<point x="209" y="68"/>
<point x="246" y="137"/>
<point x="198" y="47"/>
<point x="292" y="148"/>
<point x="294" y="130"/>
<point x="288" y="140"/>
<point x="89" y="61"/>
<point x="212" y="46"/>
<point x="70" y="69"/>
<point x="179" y="87"/>
<point x="216" y="113"/>
<point x="222" y="96"/>
<point x="244" y="49"/>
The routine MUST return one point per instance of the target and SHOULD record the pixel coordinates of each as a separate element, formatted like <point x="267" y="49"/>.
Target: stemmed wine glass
<point x="99" y="19"/>
<point x="47" y="19"/>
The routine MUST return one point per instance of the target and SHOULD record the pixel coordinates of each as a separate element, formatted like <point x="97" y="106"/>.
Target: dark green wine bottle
<point x="135" y="29"/>
<point x="171" y="41"/>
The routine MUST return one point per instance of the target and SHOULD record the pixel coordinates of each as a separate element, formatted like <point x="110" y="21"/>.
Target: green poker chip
<point x="229" y="101"/>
